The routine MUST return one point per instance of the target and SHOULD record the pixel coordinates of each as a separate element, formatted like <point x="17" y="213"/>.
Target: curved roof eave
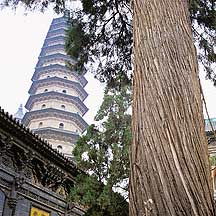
<point x="51" y="111"/>
<point x="38" y="144"/>
<point x="81" y="106"/>
<point x="53" y="67"/>
<point x="72" y="84"/>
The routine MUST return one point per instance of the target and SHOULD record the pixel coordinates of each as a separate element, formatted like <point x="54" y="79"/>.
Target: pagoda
<point x="55" y="105"/>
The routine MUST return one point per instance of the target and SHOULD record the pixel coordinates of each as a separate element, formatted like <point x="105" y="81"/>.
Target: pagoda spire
<point x="19" y="114"/>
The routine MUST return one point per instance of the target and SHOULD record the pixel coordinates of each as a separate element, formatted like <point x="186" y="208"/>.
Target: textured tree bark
<point x="170" y="171"/>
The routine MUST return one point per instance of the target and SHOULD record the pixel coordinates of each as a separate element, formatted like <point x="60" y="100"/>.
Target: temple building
<point x="57" y="93"/>
<point x="35" y="179"/>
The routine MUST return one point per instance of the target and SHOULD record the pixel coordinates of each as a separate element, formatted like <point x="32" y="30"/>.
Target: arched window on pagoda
<point x="43" y="106"/>
<point x="61" y="125"/>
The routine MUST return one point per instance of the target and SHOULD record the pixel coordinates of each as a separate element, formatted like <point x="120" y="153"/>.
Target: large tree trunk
<point x="170" y="173"/>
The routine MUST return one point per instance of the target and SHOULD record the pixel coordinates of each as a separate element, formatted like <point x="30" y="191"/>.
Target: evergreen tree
<point x="105" y="30"/>
<point x="103" y="154"/>
<point x="105" y="38"/>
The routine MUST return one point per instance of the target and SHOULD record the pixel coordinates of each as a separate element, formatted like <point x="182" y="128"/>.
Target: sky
<point x="21" y="40"/>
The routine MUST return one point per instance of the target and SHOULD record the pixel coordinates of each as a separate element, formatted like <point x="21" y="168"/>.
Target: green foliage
<point x="108" y="29"/>
<point x="107" y="49"/>
<point x="117" y="207"/>
<point x="103" y="153"/>
<point x="203" y="11"/>
<point x="203" y="16"/>
<point x="74" y="44"/>
<point x="98" y="198"/>
<point x="105" y="31"/>
<point x="58" y="5"/>
<point x="87" y="190"/>
<point x="213" y="160"/>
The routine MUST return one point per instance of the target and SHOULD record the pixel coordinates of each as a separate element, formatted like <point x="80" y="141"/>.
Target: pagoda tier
<point x="58" y="138"/>
<point x="58" y="58"/>
<point x="73" y="121"/>
<point x="54" y="41"/>
<point x="61" y="71"/>
<point x="57" y="93"/>
<point x="73" y="104"/>
<point x="58" y="84"/>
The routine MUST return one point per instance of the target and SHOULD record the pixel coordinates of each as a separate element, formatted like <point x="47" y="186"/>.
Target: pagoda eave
<point x="56" y="95"/>
<point x="57" y="56"/>
<point x="54" y="39"/>
<point x="52" y="112"/>
<point x="58" y="67"/>
<point x="55" y="32"/>
<point x="61" y="24"/>
<point x="58" y="81"/>
<point x="50" y="132"/>
<point x="58" y="20"/>
<point x="52" y="48"/>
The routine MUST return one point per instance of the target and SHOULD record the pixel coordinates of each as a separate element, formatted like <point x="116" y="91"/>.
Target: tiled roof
<point x="35" y="142"/>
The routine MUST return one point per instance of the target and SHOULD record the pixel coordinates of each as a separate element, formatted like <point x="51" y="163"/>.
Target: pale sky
<point x="21" y="40"/>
